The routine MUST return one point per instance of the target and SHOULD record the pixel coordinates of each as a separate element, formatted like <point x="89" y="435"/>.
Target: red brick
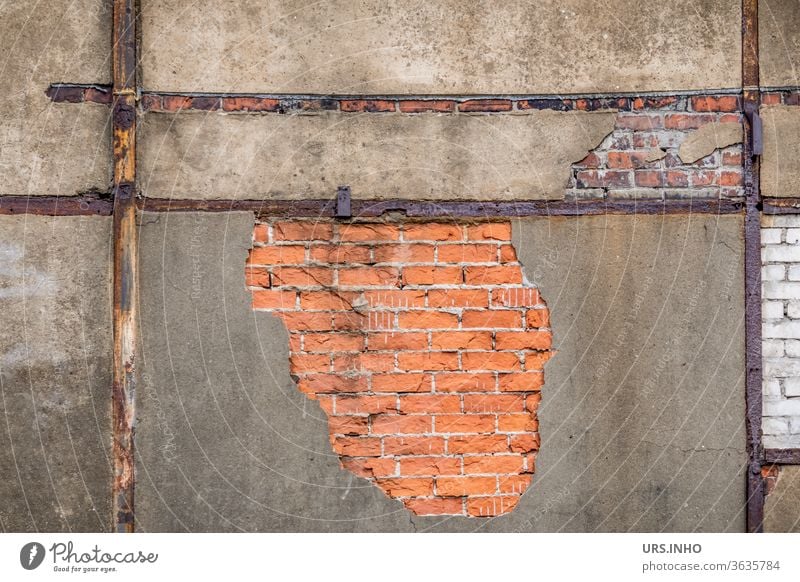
<point x="500" y="361"/>
<point x="435" y="506"/>
<point x="257" y="277"/>
<point x="306" y="321"/>
<point x="508" y="254"/>
<point x="523" y="340"/>
<point x="520" y="382"/>
<point x="728" y="103"/>
<point x="429" y="403"/>
<point x="770" y="98"/>
<point x="532" y="401"/>
<point x="458" y="298"/>
<point x="261" y="233"/>
<point x="401" y="382"/>
<point x="350" y="321"/>
<point x="485" y="105"/>
<point x="174" y="103"/>
<point x="729" y="178"/>
<point x="422" y="106"/>
<point x="432" y="276"/>
<point x="363" y="362"/>
<point x="492" y="443"/>
<point x="397" y="341"/>
<point x="427" y="360"/>
<point x="419" y="253"/>
<point x="639" y="122"/>
<point x="309" y="363"/>
<point x="592" y="160"/>
<point x="333" y="342"/>
<point x="307" y="230"/>
<point x="429" y="445"/>
<point x="491" y="506"/>
<point x="279" y="254"/>
<point x="206" y="103"/>
<point x="460" y="486"/>
<point x="348" y="425"/>
<point x="401" y="424"/>
<point x="732" y="159"/>
<point x="395" y="299"/>
<point x="273" y="299"/>
<point x="627" y="160"/>
<point x="461" y="340"/>
<point x="500" y="231"/>
<point x="493" y="275"/>
<point x="524" y="443"/>
<point x="590" y="179"/>
<point x="514" y="483"/>
<point x="465" y="382"/>
<point x="492" y="464"/>
<point x="357" y="446"/>
<point x="365" y="404"/>
<point x="506" y="403"/>
<point x="410" y="487"/>
<point x="617" y="179"/>
<point x="537" y="318"/>
<point x="369" y="232"/>
<point x="331" y="383"/>
<point x="703" y="177"/>
<point x="326" y="300"/>
<point x="494" y="318"/>
<point x="467" y="253"/>
<point x="302" y="276"/>
<point x="340" y="254"/>
<point x="422" y="466"/>
<point x="250" y="104"/>
<point x="686" y="120"/>
<point x="515" y="297"/>
<point x="517" y="423"/>
<point x="649" y="178"/>
<point x="366" y="105"/>
<point x="369" y="276"/>
<point x="677" y="179"/>
<point x="433" y="231"/>
<point x="465" y="423"/>
<point x="370" y="467"/>
<point x="150" y="102"/>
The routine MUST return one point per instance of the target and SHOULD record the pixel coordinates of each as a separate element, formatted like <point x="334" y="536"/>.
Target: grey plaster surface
<point x="55" y="373"/>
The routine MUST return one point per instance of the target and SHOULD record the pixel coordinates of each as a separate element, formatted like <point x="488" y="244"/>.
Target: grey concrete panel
<point x="779" y="42"/>
<point x="782" y="506"/>
<point x="780" y="164"/>
<point x="641" y="421"/>
<point x="432" y="157"/>
<point x="55" y="373"/>
<point x="447" y="46"/>
<point x="48" y="148"/>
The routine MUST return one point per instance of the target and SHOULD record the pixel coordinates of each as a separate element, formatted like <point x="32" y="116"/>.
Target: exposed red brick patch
<point x="424" y="349"/>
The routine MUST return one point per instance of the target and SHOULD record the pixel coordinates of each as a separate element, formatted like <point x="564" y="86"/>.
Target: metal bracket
<point x="756" y="131"/>
<point x="343" y="202"/>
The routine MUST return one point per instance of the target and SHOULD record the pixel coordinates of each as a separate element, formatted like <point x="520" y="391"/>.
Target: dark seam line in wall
<point x="751" y="100"/>
<point x="85" y="205"/>
<point x="443" y="209"/>
<point x="782" y="456"/>
<point x="789" y="205"/>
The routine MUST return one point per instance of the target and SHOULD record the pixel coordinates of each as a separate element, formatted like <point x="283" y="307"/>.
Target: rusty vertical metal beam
<point x="125" y="260"/>
<point x="752" y="268"/>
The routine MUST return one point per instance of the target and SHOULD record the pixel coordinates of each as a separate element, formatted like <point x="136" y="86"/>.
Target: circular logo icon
<point x="31" y="555"/>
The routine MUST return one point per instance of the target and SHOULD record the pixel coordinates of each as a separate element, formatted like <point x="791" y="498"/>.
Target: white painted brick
<point x="791" y="386"/>
<point x="777" y="290"/>
<point x="793" y="309"/>
<point x="781" y="367"/>
<point x="782" y="441"/>
<point x="780" y="221"/>
<point x="792" y="348"/>
<point x="771" y="388"/>
<point x="772" y="310"/>
<point x="772" y="348"/>
<point x="780" y="254"/>
<point x="771" y="236"/>
<point x="781" y="329"/>
<point x="794" y="428"/>
<point x="773" y="272"/>
<point x="785" y="407"/>
<point x="793" y="236"/>
<point x="794" y="272"/>
<point x="775" y="425"/>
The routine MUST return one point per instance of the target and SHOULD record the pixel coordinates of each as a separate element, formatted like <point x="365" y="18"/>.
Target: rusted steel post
<point x="125" y="260"/>
<point x="752" y="268"/>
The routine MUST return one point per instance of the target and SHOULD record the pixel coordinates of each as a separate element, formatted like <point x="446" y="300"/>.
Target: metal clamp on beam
<point x="343" y="202"/>
<point x="756" y="131"/>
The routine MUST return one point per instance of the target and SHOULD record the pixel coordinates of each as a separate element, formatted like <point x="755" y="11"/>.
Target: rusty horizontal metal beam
<point x="85" y="205"/>
<point x="780" y="205"/>
<point x="441" y="209"/>
<point x="782" y="456"/>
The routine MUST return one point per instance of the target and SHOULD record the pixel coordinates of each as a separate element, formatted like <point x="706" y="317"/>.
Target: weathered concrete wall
<point x="55" y="373"/>
<point x="448" y="46"/>
<point x="780" y="164"/>
<point x="428" y="156"/>
<point x="49" y="148"/>
<point x="226" y="441"/>
<point x="779" y="42"/>
<point x="782" y="507"/>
